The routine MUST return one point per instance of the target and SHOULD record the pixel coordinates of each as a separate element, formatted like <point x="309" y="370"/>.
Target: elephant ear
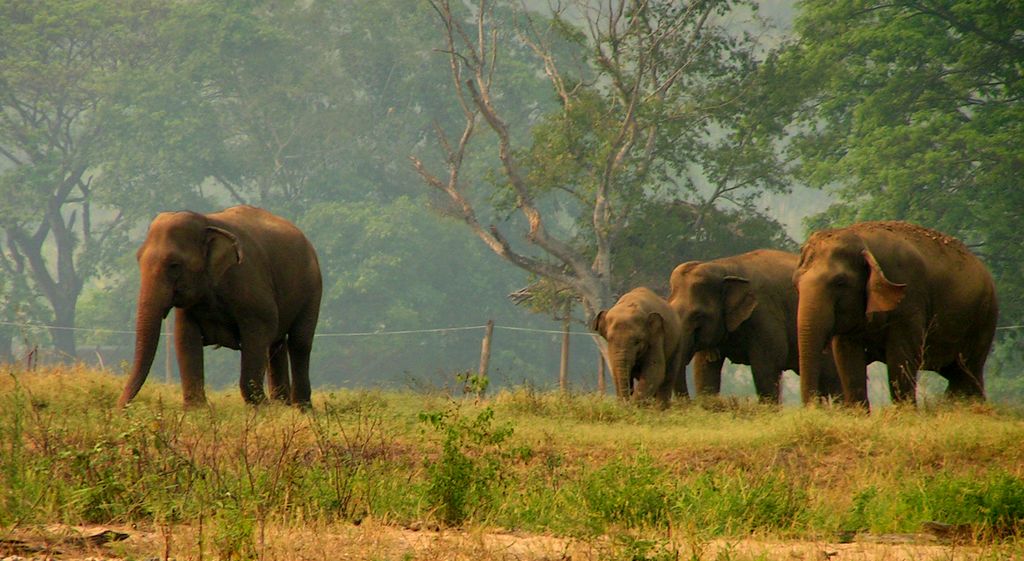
<point x="655" y="323"/>
<point x="655" y="332"/>
<point x="739" y="301"/>
<point x="598" y="323"/>
<point x="222" y="252"/>
<point x="883" y="295"/>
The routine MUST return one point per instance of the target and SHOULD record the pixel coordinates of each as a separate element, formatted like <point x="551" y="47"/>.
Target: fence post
<point x="485" y="350"/>
<point x="600" y="373"/>
<point x="563" y="367"/>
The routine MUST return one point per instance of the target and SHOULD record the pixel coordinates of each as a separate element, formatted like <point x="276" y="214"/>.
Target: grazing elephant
<point x="911" y="297"/>
<point x="241" y="278"/>
<point x="742" y="308"/>
<point x="643" y="346"/>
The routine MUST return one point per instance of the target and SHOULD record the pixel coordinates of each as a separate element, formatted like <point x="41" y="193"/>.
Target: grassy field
<point x="229" y="480"/>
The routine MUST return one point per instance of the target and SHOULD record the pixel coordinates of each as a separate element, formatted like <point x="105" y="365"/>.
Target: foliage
<point x="60" y="63"/>
<point x="469" y="474"/>
<point x="913" y="110"/>
<point x="651" y="106"/>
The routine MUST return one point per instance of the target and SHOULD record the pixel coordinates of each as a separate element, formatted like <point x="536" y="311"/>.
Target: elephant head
<point x="710" y="303"/>
<point x="182" y="259"/>
<point x="636" y="346"/>
<point x="839" y="282"/>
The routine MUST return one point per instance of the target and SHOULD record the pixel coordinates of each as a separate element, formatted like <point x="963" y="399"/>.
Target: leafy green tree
<point x="652" y="104"/>
<point x="58" y="63"/>
<point x="915" y="110"/>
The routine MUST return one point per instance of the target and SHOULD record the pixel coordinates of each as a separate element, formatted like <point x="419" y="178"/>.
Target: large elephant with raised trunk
<point x="643" y="347"/>
<point x="742" y="308"/>
<point x="241" y="278"/>
<point x="909" y="296"/>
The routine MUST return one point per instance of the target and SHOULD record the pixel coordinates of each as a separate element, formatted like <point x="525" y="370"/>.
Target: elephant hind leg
<point x="965" y="381"/>
<point x="277" y="374"/>
<point x="904" y="358"/>
<point x="300" y="345"/>
<point x="966" y="373"/>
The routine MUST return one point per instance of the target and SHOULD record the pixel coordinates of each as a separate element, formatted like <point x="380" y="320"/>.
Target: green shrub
<point x="470" y="471"/>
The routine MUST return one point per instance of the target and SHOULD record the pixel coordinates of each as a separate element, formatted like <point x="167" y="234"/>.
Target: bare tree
<point x="640" y="85"/>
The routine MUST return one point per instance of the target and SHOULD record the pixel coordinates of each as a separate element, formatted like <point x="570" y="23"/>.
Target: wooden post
<point x="485" y="351"/>
<point x="563" y="367"/>
<point x="600" y="373"/>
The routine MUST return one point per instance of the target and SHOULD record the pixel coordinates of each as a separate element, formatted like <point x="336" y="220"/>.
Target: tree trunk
<point x="63" y="333"/>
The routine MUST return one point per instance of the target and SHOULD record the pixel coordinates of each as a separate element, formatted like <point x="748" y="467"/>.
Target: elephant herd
<point x="894" y="292"/>
<point x="887" y="291"/>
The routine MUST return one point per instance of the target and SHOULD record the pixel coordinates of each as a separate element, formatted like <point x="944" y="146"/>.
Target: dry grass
<point x="275" y="483"/>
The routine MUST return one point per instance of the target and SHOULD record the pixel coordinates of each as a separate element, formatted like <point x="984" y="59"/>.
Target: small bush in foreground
<point x="470" y="471"/>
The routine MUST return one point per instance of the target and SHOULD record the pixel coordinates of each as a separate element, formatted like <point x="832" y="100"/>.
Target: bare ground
<point x="374" y="540"/>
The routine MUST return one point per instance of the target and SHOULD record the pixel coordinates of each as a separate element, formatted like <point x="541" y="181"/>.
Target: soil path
<point x="372" y="540"/>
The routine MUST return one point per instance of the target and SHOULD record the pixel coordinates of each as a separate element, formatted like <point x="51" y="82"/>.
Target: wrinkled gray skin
<point x="742" y="308"/>
<point x="911" y="297"/>
<point x="643" y="347"/>
<point x="242" y="278"/>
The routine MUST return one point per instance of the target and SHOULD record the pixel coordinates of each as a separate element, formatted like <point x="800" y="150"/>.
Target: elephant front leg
<point x="677" y="377"/>
<point x="767" y="376"/>
<point x="707" y="372"/>
<point x="188" y="347"/>
<point x="255" y="359"/>
<point x="852" y="368"/>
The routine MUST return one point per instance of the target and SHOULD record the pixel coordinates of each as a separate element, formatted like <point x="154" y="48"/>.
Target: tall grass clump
<point x="991" y="506"/>
<point x="630" y="492"/>
<point x="735" y="503"/>
<point x="16" y="492"/>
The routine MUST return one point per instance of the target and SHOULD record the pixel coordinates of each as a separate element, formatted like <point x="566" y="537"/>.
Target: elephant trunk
<point x="622" y="368"/>
<point x="154" y="303"/>
<point x="815" y="322"/>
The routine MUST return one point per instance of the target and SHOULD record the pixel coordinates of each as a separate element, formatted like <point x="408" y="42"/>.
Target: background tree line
<point x="564" y="156"/>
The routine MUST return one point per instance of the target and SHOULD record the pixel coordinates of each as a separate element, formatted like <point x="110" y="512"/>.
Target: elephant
<point x="643" y="347"/>
<point x="895" y="292"/>
<point x="241" y="278"/>
<point x="742" y="308"/>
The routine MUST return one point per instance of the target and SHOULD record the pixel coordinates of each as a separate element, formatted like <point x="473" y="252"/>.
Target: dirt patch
<point x="373" y="540"/>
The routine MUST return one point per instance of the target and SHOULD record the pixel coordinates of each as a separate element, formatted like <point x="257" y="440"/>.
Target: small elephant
<point x="742" y="308"/>
<point x="241" y="278"/>
<point x="643" y="346"/>
<point x="896" y="292"/>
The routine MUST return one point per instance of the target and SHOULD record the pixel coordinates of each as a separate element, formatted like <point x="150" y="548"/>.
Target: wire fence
<point x="429" y="358"/>
<point x="420" y="359"/>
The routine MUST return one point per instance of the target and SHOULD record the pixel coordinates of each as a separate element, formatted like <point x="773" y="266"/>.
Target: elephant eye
<point x="174" y="269"/>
